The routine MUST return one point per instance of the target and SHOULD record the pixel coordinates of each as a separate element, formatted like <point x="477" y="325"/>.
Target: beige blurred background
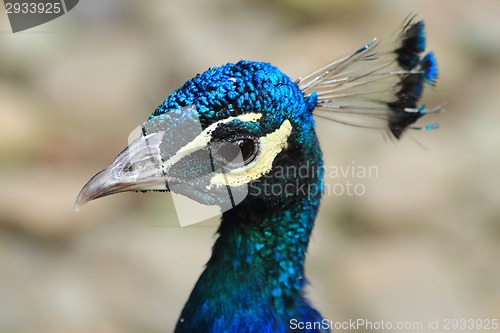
<point x="421" y="243"/>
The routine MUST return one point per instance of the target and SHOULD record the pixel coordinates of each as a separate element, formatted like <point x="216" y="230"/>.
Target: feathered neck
<point x="254" y="280"/>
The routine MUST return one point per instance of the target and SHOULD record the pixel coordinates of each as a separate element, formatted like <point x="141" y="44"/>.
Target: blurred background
<point x="421" y="243"/>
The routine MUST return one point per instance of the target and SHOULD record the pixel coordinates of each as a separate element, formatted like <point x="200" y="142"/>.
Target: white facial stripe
<point x="270" y="146"/>
<point x="205" y="137"/>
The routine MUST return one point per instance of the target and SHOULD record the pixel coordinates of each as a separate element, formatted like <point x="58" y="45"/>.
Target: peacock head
<point x="244" y="132"/>
<point x="233" y="133"/>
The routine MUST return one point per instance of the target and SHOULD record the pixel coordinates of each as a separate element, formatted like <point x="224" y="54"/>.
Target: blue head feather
<point x="243" y="87"/>
<point x="430" y="68"/>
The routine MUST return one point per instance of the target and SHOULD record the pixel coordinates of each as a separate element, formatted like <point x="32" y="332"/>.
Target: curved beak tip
<point x="80" y="201"/>
<point x="96" y="187"/>
<point x="83" y="197"/>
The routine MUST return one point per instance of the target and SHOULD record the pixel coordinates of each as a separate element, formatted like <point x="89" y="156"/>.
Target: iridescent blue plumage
<point x="257" y="137"/>
<point x="246" y="86"/>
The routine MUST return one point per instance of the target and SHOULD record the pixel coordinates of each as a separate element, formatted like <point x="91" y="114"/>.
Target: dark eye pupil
<point x="247" y="150"/>
<point x="231" y="150"/>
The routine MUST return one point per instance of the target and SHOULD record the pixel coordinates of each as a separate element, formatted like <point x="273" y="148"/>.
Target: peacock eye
<point x="230" y="151"/>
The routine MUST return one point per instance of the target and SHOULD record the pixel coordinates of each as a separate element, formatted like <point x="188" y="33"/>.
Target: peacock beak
<point x="137" y="168"/>
<point x="141" y="166"/>
<point x="175" y="153"/>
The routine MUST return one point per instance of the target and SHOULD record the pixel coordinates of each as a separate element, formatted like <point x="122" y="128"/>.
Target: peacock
<point x="231" y="133"/>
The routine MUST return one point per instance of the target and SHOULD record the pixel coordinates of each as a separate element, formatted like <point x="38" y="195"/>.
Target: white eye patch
<point x="269" y="147"/>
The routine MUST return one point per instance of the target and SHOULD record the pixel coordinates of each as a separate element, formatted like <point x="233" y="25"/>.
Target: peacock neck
<point x="256" y="272"/>
<point x="254" y="280"/>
